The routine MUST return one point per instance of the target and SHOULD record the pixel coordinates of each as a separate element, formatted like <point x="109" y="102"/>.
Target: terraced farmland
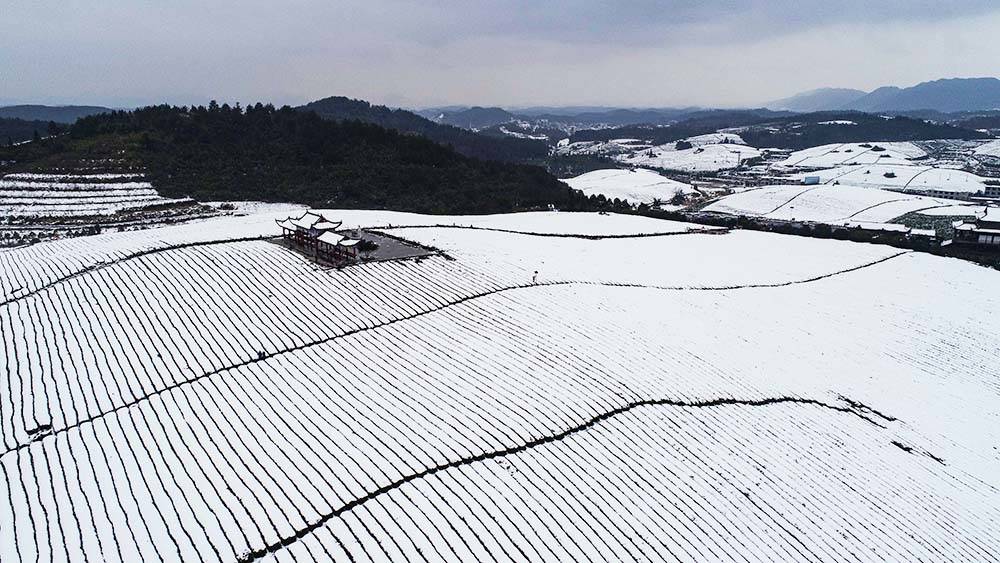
<point x="196" y="392"/>
<point x="35" y="206"/>
<point x="826" y="203"/>
<point x="72" y="195"/>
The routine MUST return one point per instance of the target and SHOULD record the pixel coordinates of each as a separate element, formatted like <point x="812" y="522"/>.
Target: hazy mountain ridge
<point x="946" y="95"/>
<point x="818" y="100"/>
<point x="789" y="131"/>
<point x="59" y="114"/>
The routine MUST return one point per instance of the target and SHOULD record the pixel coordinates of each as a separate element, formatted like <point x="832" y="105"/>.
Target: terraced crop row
<point x="177" y="316"/>
<point x="54" y="196"/>
<point x="28" y="269"/>
<point x="231" y="401"/>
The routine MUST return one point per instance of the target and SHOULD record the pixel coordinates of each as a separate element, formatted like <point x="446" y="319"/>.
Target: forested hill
<point x="17" y="130"/>
<point x="468" y="143"/>
<point x="795" y="132"/>
<point x="263" y="153"/>
<point x="58" y="114"/>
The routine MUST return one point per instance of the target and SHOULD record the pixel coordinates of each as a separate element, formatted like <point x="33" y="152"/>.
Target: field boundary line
<point x="504" y="452"/>
<point x="716" y="230"/>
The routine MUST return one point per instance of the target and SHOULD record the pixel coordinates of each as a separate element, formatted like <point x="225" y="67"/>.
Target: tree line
<point x="259" y="152"/>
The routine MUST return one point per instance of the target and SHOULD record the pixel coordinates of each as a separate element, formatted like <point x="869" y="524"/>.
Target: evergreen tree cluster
<point x="284" y="155"/>
<point x="17" y="130"/>
<point x="789" y="132"/>
<point x="468" y="143"/>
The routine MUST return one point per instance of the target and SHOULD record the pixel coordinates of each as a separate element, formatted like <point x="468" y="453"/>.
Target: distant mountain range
<point x="821" y="99"/>
<point x="551" y="120"/>
<point x="475" y="117"/>
<point x="58" y="114"/>
<point x="946" y="95"/>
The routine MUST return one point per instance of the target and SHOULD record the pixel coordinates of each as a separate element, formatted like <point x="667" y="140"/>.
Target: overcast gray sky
<point x="521" y="52"/>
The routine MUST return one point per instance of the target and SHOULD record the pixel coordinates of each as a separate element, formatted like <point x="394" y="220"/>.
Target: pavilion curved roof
<point x="309" y="221"/>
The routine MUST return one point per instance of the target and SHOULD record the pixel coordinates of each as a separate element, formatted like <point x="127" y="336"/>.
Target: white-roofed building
<point x="317" y="234"/>
<point x="984" y="231"/>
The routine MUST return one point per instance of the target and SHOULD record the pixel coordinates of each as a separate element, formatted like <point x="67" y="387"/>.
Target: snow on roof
<point x="285" y="223"/>
<point x="330" y="238"/>
<point x="327" y="225"/>
<point x="309" y="220"/>
<point x="923" y="232"/>
<point x="349" y="242"/>
<point x="992" y="214"/>
<point x="301" y="224"/>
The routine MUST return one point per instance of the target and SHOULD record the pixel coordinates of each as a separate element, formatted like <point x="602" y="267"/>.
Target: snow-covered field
<point x="825" y="203"/>
<point x="705" y="158"/>
<point x="600" y="148"/>
<point x="955" y="210"/>
<point x="189" y="393"/>
<point x="828" y="156"/>
<point x="715" y="139"/>
<point x="991" y="148"/>
<point x="68" y="195"/>
<point x="633" y="186"/>
<point x="901" y="177"/>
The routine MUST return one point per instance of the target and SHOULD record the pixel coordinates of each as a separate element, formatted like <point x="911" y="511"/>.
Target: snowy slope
<point x="633" y="186"/>
<point x="715" y="139"/>
<point x="65" y="195"/>
<point x="733" y="397"/>
<point x="824" y="203"/>
<point x="828" y="156"/>
<point x="602" y="148"/>
<point x="705" y="158"/>
<point x="991" y="148"/>
<point x="901" y="177"/>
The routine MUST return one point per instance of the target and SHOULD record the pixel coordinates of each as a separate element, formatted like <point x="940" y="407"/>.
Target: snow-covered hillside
<point x="633" y="186"/>
<point x="599" y="148"/>
<point x="901" y="177"/>
<point x="991" y="148"/>
<point x="715" y="139"/>
<point x="39" y="206"/>
<point x="828" y="156"/>
<point x="704" y="158"/>
<point x="198" y="393"/>
<point x="63" y="195"/>
<point x="825" y="203"/>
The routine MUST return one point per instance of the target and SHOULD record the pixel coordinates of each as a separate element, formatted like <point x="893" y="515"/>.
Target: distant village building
<point x="810" y="180"/>
<point x="317" y="235"/>
<point x="945" y="194"/>
<point x="984" y="231"/>
<point x="880" y="230"/>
